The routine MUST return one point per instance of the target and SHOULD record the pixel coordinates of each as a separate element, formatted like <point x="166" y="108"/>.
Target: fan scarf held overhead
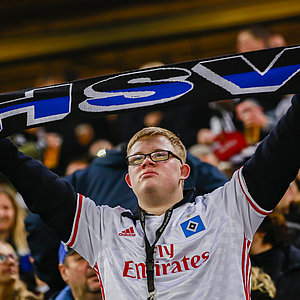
<point x="270" y="71"/>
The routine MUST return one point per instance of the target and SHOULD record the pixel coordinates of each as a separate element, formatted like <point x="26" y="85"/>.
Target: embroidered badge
<point x="192" y="226"/>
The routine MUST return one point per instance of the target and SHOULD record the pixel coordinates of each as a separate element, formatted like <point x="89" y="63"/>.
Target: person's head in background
<point x="258" y="38"/>
<point x="12" y="226"/>
<point x="205" y="154"/>
<point x="273" y="232"/>
<point x="11" y="287"/>
<point x="99" y="147"/>
<point x="9" y="264"/>
<point x="78" y="274"/>
<point x="75" y="165"/>
<point x="277" y="40"/>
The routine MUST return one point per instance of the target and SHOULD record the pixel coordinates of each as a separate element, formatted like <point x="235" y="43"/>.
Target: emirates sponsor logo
<point x="138" y="269"/>
<point x="128" y="232"/>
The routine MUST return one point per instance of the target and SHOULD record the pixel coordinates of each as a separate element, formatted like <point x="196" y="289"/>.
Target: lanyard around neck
<point x="150" y="249"/>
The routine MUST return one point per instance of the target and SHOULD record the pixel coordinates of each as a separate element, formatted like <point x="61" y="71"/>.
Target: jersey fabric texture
<point x="202" y="254"/>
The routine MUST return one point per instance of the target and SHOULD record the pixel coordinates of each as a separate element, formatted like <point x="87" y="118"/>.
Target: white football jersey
<point x="203" y="252"/>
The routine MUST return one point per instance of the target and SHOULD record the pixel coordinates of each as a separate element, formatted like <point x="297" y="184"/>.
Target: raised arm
<point x="43" y="191"/>
<point x="276" y="161"/>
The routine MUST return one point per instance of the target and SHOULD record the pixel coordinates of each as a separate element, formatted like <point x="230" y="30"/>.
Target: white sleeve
<point x="234" y="200"/>
<point x="92" y="229"/>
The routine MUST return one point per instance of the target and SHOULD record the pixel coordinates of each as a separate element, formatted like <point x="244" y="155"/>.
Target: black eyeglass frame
<point x="170" y="153"/>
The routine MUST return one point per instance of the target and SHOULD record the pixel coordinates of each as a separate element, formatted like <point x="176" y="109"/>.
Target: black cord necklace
<point x="150" y="249"/>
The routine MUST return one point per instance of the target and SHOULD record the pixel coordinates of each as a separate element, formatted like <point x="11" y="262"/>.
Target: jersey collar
<point x="188" y="196"/>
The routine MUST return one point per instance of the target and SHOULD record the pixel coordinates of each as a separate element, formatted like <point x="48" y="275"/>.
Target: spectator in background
<point x="12" y="230"/>
<point x="82" y="281"/>
<point x="12" y="220"/>
<point x="52" y="152"/>
<point x="222" y="119"/>
<point x="277" y="40"/>
<point x="11" y="287"/>
<point x="289" y="206"/>
<point x="256" y="38"/>
<point x="205" y="153"/>
<point x="75" y="145"/>
<point x="252" y="113"/>
<point x="263" y="112"/>
<point x="99" y="147"/>
<point x="44" y="245"/>
<point x="253" y="38"/>
<point x="222" y="113"/>
<point x="224" y="136"/>
<point x="74" y="165"/>
<point x="281" y="260"/>
<point x="32" y="141"/>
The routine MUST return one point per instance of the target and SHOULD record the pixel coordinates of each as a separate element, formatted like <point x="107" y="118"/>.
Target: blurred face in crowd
<point x="9" y="271"/>
<point x="82" y="279"/>
<point x="247" y="42"/>
<point x="7" y="213"/>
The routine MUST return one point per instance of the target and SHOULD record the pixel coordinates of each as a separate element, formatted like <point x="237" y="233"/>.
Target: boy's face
<point x="153" y="178"/>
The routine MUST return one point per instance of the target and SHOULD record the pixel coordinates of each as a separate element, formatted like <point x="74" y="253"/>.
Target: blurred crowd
<point x="223" y="134"/>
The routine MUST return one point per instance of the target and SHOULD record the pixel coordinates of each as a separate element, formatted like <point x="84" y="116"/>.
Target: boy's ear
<point x="127" y="179"/>
<point x="185" y="171"/>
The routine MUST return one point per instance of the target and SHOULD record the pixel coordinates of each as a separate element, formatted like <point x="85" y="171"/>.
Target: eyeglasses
<point x="162" y="155"/>
<point x="4" y="258"/>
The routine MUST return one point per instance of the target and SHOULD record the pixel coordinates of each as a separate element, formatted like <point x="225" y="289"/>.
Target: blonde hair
<point x="262" y="281"/>
<point x="18" y="231"/>
<point x="157" y="131"/>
